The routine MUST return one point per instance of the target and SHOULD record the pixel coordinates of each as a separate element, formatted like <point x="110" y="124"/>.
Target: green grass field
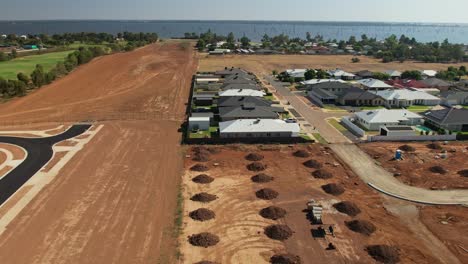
<point x="9" y="69"/>
<point x="337" y="125"/>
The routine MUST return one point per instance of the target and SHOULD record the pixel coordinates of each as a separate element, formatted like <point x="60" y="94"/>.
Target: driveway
<point x="383" y="181"/>
<point x="315" y="117"/>
<point x="39" y="152"/>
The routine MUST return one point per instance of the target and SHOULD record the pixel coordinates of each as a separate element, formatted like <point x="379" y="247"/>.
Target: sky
<point x="448" y="11"/>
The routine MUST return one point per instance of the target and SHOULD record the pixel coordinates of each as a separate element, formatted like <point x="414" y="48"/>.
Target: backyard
<point x="9" y="69"/>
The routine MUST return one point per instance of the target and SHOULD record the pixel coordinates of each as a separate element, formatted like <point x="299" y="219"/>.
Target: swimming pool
<point x="423" y="128"/>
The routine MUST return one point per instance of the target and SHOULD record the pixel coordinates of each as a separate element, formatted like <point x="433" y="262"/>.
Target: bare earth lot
<point x="240" y="227"/>
<point x="115" y="201"/>
<point x="265" y="64"/>
<point x="415" y="168"/>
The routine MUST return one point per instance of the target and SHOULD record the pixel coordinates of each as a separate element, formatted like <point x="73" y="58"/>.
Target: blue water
<point x="456" y="33"/>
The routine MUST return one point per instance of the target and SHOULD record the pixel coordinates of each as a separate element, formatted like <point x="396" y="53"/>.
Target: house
<point x="242" y="92"/>
<point x="358" y="97"/>
<point x="199" y="123"/>
<point x="203" y="99"/>
<point x="407" y="83"/>
<point x="397" y="131"/>
<point x="229" y="71"/>
<point x="437" y="83"/>
<point x="316" y="81"/>
<point x="210" y="115"/>
<point x="217" y="52"/>
<point x="249" y="111"/>
<point x="243" y="86"/>
<point x="340" y="74"/>
<point x="239" y="80"/>
<point x="428" y="73"/>
<point x="393" y="74"/>
<point x="258" y="128"/>
<point x="451" y="119"/>
<point x="374" y="119"/>
<point x="452" y="98"/>
<point x="328" y="92"/>
<point x="365" y="74"/>
<point x="373" y="84"/>
<point x="230" y="101"/>
<point x="296" y="73"/>
<point x="406" y="98"/>
<point x="203" y="80"/>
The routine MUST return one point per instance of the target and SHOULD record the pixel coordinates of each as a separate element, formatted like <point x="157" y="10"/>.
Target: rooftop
<point x="258" y="125"/>
<point x="386" y="116"/>
<point x="405" y="94"/>
<point x="374" y="83"/>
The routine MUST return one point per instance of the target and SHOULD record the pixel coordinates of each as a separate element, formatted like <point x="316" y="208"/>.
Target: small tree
<point x="274" y="72"/>
<point x="355" y="60"/>
<point x="201" y="45"/>
<point x="245" y="42"/>
<point x="23" y="77"/>
<point x="38" y="76"/>
<point x="14" y="54"/>
<point x="310" y="74"/>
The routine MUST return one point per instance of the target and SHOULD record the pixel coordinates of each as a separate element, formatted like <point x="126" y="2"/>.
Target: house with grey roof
<point x="393" y="74"/>
<point x="452" y="98"/>
<point x="452" y="119"/>
<point x="249" y="111"/>
<point x="365" y="74"/>
<point x="373" y="84"/>
<point x="230" y="71"/>
<point x="239" y="80"/>
<point x="437" y="83"/>
<point x="328" y="92"/>
<point x="229" y="101"/>
<point x="406" y="98"/>
<point x="241" y="86"/>
<point x="358" y="97"/>
<point x="375" y="119"/>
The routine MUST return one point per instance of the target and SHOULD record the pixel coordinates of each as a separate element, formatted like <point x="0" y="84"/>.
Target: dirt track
<point x="114" y="202"/>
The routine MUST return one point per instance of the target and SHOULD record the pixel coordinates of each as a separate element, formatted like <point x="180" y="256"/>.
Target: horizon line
<point x="238" y="20"/>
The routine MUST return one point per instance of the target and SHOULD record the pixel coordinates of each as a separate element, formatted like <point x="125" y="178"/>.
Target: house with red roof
<point x="407" y="83"/>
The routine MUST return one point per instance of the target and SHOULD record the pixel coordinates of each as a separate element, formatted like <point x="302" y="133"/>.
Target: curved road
<point x="39" y="153"/>
<point x="383" y="181"/>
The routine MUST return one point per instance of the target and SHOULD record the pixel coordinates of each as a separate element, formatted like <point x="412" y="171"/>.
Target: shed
<point x="200" y="123"/>
<point x="396" y="131"/>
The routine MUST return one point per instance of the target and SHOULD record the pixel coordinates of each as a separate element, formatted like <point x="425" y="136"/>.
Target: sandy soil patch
<point x="240" y="227"/>
<point x="55" y="159"/>
<point x="14" y="199"/>
<point x="3" y="157"/>
<point x="263" y="65"/>
<point x="417" y="167"/>
<point x="68" y="143"/>
<point x="18" y="153"/>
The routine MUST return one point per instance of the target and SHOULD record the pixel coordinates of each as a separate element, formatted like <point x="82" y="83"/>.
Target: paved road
<point x="315" y="117"/>
<point x="378" y="178"/>
<point x="39" y="153"/>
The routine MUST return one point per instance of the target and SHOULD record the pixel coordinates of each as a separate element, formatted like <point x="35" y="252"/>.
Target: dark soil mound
<point x="285" y="259"/>
<point x="463" y="173"/>
<point x="313" y="164"/>
<point x="199" y="167"/>
<point x="203" y="240"/>
<point x="262" y="177"/>
<point x="206" y="262"/>
<point x="438" y="169"/>
<point x="348" y="208"/>
<point x="322" y="174"/>
<point x="201" y="157"/>
<point x="383" y="253"/>
<point x="203" y="179"/>
<point x="273" y="212"/>
<point x="407" y="148"/>
<point x="202" y="214"/>
<point x="254" y="157"/>
<point x="361" y="226"/>
<point x="435" y="146"/>
<point x="256" y="166"/>
<point x="301" y="154"/>
<point x="204" y="197"/>
<point x="278" y="232"/>
<point x="266" y="194"/>
<point x="333" y="189"/>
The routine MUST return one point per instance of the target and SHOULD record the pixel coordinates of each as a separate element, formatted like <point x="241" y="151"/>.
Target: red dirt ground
<point x="414" y="168"/>
<point x="240" y="227"/>
<point x="115" y="201"/>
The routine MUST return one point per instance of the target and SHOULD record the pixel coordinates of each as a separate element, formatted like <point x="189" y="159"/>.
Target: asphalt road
<point x="39" y="153"/>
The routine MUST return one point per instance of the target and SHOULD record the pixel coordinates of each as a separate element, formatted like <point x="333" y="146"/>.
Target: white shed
<point x="200" y="123"/>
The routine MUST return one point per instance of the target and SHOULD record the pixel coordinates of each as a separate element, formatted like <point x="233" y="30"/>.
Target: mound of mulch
<point x="273" y="212"/>
<point x="206" y="262"/>
<point x="202" y="214"/>
<point x="203" y="179"/>
<point x="256" y="166"/>
<point x="313" y="164"/>
<point x="407" y="148"/>
<point x="322" y="174"/>
<point x="361" y="226"/>
<point x="435" y="146"/>
<point x="285" y="259"/>
<point x="203" y="240"/>
<point x="438" y="169"/>
<point x="254" y="157"/>
<point x="204" y="197"/>
<point x="266" y="194"/>
<point x="278" y="232"/>
<point x="199" y="167"/>
<point x="301" y="154"/>
<point x="262" y="178"/>
<point x="201" y="157"/>
<point x="384" y="253"/>
<point x="463" y="173"/>
<point x="333" y="189"/>
<point x="348" y="208"/>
